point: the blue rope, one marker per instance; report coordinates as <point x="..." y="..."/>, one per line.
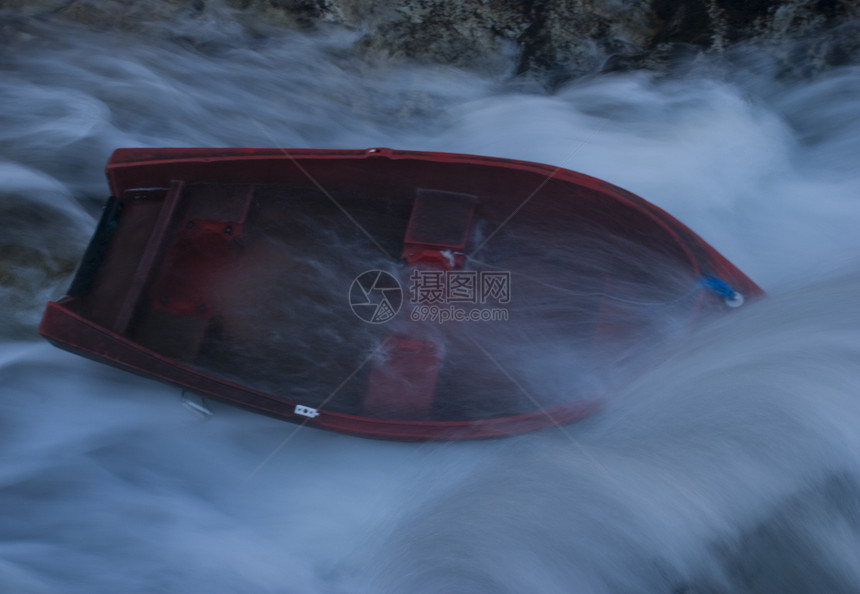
<point x="718" y="287"/>
<point x="722" y="290"/>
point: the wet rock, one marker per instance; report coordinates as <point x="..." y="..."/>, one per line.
<point x="101" y="14"/>
<point x="555" y="40"/>
<point x="299" y="14"/>
<point x="567" y="38"/>
<point x="792" y="549"/>
<point x="551" y="40"/>
<point x="31" y="8"/>
<point x="478" y="36"/>
<point x="38" y="254"/>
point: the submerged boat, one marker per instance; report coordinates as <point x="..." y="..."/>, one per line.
<point x="384" y="293"/>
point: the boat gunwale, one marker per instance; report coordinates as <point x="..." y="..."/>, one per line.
<point x="59" y="317"/>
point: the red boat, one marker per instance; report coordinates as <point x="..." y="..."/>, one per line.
<point x="383" y="293"/>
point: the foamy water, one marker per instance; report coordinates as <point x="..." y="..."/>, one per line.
<point x="730" y="466"/>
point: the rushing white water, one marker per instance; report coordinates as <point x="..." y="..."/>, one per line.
<point x="733" y="465"/>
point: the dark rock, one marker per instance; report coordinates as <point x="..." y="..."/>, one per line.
<point x="550" y="40"/>
<point x="787" y="551"/>
<point x="37" y="252"/>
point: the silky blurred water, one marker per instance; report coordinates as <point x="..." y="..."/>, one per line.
<point x="732" y="465"/>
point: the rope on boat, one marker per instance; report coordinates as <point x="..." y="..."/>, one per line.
<point x="722" y="290"/>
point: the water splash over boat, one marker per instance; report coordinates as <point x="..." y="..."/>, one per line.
<point x="731" y="467"/>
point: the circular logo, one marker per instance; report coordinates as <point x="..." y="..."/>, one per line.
<point x="375" y="296"/>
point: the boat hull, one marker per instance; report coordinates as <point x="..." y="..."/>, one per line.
<point x="257" y="277"/>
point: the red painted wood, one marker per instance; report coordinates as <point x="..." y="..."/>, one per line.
<point x="192" y="269"/>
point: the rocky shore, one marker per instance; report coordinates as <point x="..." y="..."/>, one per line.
<point x="551" y="40"/>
